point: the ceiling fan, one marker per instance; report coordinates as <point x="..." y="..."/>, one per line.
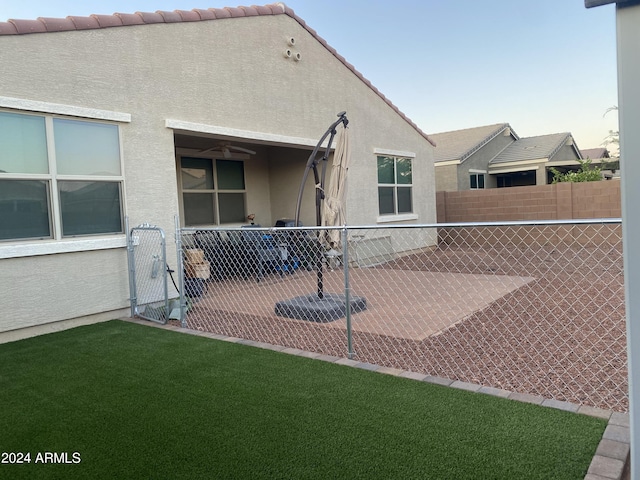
<point x="227" y="149"/>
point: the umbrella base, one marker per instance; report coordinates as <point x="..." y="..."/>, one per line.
<point x="323" y="310"/>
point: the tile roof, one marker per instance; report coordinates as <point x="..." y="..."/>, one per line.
<point x="461" y="144"/>
<point x="595" y="153"/>
<point x="47" y="25"/>
<point x="44" y="25"/>
<point x="532" y="148"/>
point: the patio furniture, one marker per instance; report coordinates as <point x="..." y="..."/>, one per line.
<point x="261" y="253"/>
<point x="303" y="247"/>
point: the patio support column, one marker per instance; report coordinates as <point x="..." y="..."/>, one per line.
<point x="628" y="39"/>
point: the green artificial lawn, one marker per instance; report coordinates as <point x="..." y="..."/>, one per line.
<point x="139" y="402"/>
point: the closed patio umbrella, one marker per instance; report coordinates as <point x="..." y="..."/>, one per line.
<point x="333" y="211"/>
<point x="330" y="211"/>
<point x="312" y="166"/>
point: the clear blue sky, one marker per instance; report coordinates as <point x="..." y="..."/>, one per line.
<point x="544" y="66"/>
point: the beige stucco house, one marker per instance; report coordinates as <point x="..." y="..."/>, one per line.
<point x="462" y="156"/>
<point x="494" y="156"/>
<point x="206" y="114"/>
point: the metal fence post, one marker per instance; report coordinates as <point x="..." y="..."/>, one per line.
<point x="180" y="268"/>
<point x="132" y="268"/>
<point x="347" y="290"/>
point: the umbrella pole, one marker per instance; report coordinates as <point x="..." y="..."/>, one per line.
<point x="312" y="164"/>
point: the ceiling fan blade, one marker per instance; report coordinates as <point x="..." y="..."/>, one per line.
<point x="226" y="150"/>
<point x="207" y="150"/>
<point x="241" y="149"/>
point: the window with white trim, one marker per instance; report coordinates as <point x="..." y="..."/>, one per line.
<point x="395" y="185"/>
<point x="59" y="177"/>
<point x="213" y="191"/>
<point x="476" y="180"/>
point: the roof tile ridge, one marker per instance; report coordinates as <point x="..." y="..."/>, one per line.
<point x="150" y="18"/>
<point x="205" y="14"/>
<point x="84" y="23"/>
<point x="251" y="11"/>
<point x="170" y="17"/>
<point x="106" y="21"/>
<point x="235" y="11"/>
<point x="28" y="26"/>
<point x="8" y="28"/>
<point x="96" y="21"/>
<point x="189" y="15"/>
<point x="487" y="139"/>
<point x="281" y="7"/>
<point x="220" y="12"/>
<point x="53" y="24"/>
<point x="266" y="9"/>
<point x="130" y="18"/>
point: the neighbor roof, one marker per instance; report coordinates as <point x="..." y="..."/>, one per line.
<point x="49" y="25"/>
<point x="461" y="144"/>
<point x="533" y="148"/>
<point x="595" y="153"/>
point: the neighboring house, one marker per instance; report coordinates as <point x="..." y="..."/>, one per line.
<point x="602" y="157"/>
<point x="596" y="155"/>
<point x="493" y="156"/>
<point x="462" y="156"/>
<point x="527" y="161"/>
<point x="209" y="114"/>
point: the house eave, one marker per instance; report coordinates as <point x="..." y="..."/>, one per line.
<point x="447" y="163"/>
<point x="518" y="163"/>
<point x="513" y="169"/>
<point x="180" y="126"/>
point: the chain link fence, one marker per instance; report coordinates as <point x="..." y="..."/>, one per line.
<point x="535" y="308"/>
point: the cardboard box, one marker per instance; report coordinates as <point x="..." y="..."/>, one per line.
<point x="198" y="270"/>
<point x="193" y="255"/>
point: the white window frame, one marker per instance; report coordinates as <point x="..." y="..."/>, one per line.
<point x="215" y="191"/>
<point x="477" y="173"/>
<point x="396" y="217"/>
<point x="57" y="244"/>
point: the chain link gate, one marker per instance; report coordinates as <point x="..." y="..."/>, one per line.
<point x="148" y="275"/>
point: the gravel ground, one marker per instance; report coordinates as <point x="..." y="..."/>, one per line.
<point x="562" y="336"/>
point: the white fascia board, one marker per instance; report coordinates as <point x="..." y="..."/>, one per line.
<point x="61" y="109"/>
<point x="519" y="163"/>
<point x="447" y="163"/>
<point x="271" y="138"/>
<point x="393" y="153"/>
<point x="496" y="171"/>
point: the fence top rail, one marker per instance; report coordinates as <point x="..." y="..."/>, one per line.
<point x="525" y="223"/>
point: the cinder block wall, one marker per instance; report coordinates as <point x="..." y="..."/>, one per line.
<point x="562" y="201"/>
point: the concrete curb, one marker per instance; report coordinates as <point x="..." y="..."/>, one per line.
<point x="611" y="461"/>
